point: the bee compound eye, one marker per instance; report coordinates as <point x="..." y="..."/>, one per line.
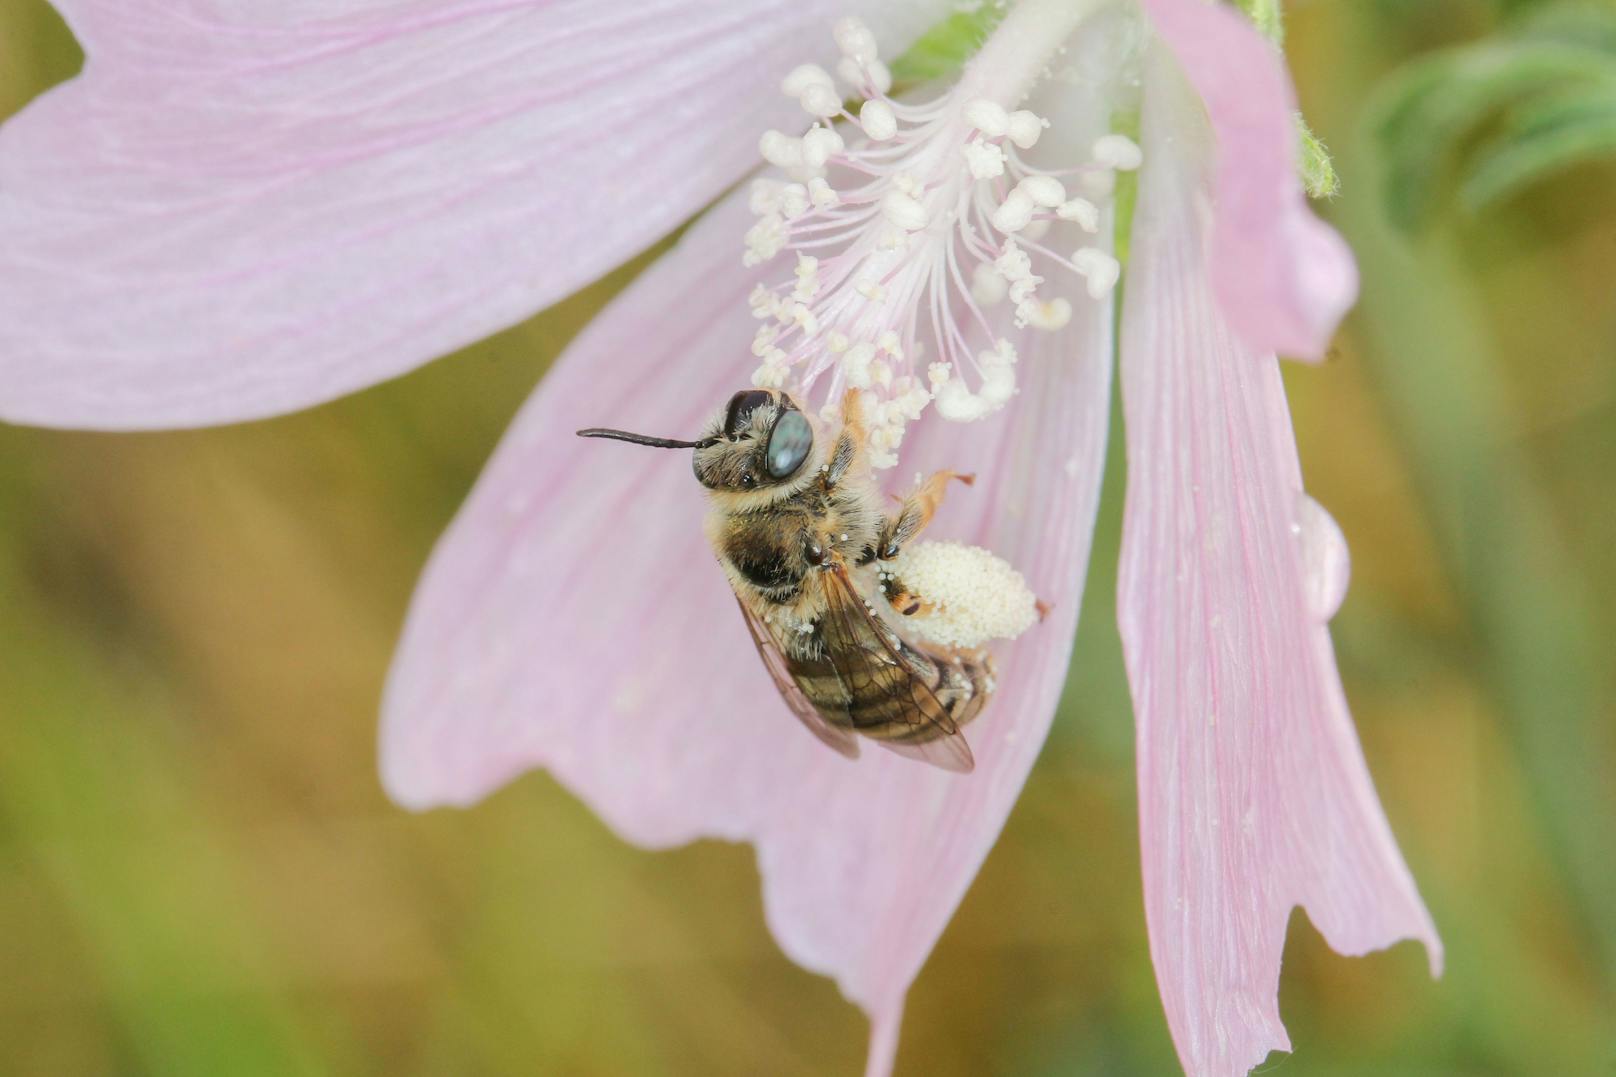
<point x="741" y="407"/>
<point x="789" y="443"/>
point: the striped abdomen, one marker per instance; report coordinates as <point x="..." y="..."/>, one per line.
<point x="891" y="690"/>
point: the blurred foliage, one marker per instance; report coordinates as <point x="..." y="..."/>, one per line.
<point x="943" y="50"/>
<point x="199" y="874"/>
<point x="1492" y="117"/>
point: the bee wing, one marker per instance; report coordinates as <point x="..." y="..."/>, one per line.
<point x="872" y="661"/>
<point x="841" y="740"/>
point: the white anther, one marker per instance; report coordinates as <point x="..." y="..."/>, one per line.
<point x="793" y="200"/>
<point x="821" y="194"/>
<point x="807" y="285"/>
<point x="819" y="145"/>
<point x="1013" y="213"/>
<point x="1024" y="127"/>
<point x="1051" y="315"/>
<point x="856" y="365"/>
<point x="1014" y="264"/>
<point x="1044" y="190"/>
<point x="1119" y="152"/>
<point x="870" y="290"/>
<point x="765" y="196"/>
<point x="909" y="184"/>
<point x="865" y="77"/>
<point x="986" y="116"/>
<point x="762" y="301"/>
<point x="820" y="100"/>
<point x="763" y="340"/>
<point x="1099" y="269"/>
<point x="888" y="344"/>
<point x="1036" y="230"/>
<point x="904" y="211"/>
<point x="855" y="40"/>
<point x="998" y="381"/>
<point x="804" y="319"/>
<point x="836" y="342"/>
<point x="764" y="239"/>
<point x="780" y="150"/>
<point x="878" y="120"/>
<point x="771" y="375"/>
<point x="879" y="74"/>
<point x="985" y="160"/>
<point x="803" y="76"/>
<point x="1081" y="211"/>
<point x="988" y="286"/>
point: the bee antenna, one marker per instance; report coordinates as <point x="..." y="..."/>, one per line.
<point x="644" y="439"/>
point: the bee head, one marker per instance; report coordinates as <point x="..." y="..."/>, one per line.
<point x="761" y="439"/>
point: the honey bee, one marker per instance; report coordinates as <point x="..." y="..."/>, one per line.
<point x="798" y="524"/>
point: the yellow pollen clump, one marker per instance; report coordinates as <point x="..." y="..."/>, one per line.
<point x="972" y="594"/>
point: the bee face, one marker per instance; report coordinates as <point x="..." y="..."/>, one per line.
<point x="762" y="440"/>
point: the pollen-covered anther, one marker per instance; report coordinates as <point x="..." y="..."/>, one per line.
<point x="956" y="401"/>
<point x="819" y="145"/>
<point x="878" y="120"/>
<point x="971" y="594"/>
<point x="905" y="211"/>
<point x="763" y="340"/>
<point x="855" y="39"/>
<point x="860" y="65"/>
<point x="1080" y="211"/>
<point x="765" y="239"/>
<point x="820" y="100"/>
<point x="1045" y="191"/>
<point x="1100" y="270"/>
<point x="989" y="117"/>
<point x="821" y="194"/>
<point x="807" y="275"/>
<point x="803" y="76"/>
<point x="1051" y="315"/>
<point x="1117" y="152"/>
<point x="856" y="365"/>
<point x="985" y="160"/>
<point x="988" y="285"/>
<point x="1014" y="213"/>
<point x="1024" y="127"/>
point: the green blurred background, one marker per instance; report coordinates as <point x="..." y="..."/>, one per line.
<point x="199" y="874"/>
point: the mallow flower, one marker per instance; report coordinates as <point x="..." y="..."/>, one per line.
<point x="236" y="211"/>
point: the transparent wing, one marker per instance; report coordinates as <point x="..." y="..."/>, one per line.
<point x="841" y="740"/>
<point x="872" y="662"/>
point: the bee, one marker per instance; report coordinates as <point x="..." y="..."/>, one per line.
<point x="798" y="524"/>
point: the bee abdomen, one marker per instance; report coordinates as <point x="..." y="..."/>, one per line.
<point x="895" y="707"/>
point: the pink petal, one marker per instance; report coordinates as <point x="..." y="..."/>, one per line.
<point x="573" y="619"/>
<point x="1253" y="793"/>
<point x="239" y="210"/>
<point x="1282" y="276"/>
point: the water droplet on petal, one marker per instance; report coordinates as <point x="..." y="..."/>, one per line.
<point x="1326" y="566"/>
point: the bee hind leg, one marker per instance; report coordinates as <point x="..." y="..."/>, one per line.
<point x="915" y="513"/>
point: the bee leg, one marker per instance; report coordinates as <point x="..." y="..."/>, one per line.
<point x="848" y="441"/>
<point x="915" y="513"/>
<point x="908" y="603"/>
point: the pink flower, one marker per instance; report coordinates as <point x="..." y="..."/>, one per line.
<point x="234" y="214"/>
